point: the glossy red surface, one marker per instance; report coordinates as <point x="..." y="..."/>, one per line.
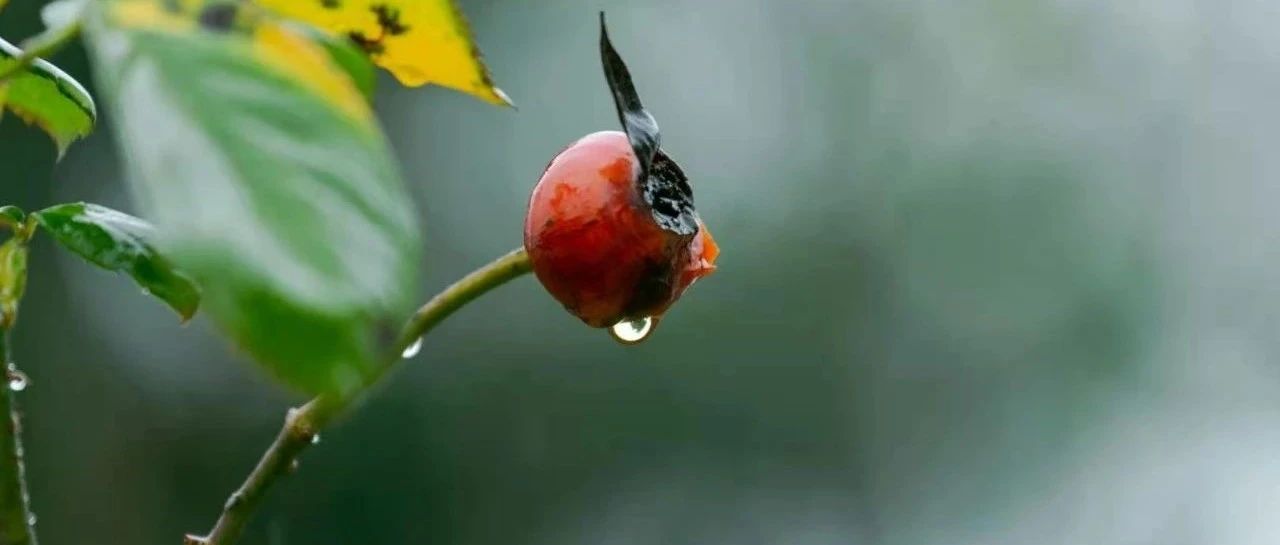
<point x="594" y="244"/>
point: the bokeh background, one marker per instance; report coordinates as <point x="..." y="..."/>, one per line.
<point x="993" y="272"/>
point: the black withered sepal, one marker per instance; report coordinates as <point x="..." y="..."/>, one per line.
<point x="663" y="185"/>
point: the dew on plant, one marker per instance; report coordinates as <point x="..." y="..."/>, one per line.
<point x="17" y="379"/>
<point x="413" y="349"/>
<point x="632" y="331"/>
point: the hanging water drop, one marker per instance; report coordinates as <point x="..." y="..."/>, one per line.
<point x="412" y="350"/>
<point x="632" y="331"/>
<point x="17" y="379"/>
<point x="315" y="439"/>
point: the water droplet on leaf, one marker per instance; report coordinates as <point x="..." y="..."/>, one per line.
<point x="632" y="331"/>
<point x="31" y="519"/>
<point x="315" y="439"/>
<point x="412" y="350"/>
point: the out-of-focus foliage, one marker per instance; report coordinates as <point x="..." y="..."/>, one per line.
<point x="269" y="180"/>
<point x="346" y="56"/>
<point x="60" y="13"/>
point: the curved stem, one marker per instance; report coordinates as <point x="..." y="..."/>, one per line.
<point x="302" y="424"/>
<point x="17" y="526"/>
<point x="42" y="45"/>
<point x="498" y="272"/>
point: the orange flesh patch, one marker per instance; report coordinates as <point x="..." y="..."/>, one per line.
<point x="703" y="252"/>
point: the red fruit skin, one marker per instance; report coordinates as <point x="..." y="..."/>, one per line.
<point x="594" y="244"/>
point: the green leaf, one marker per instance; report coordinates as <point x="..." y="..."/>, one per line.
<point x="269" y="182"/>
<point x="47" y="97"/>
<point x="12" y="216"/>
<point x="119" y="242"/>
<point x="13" y="278"/>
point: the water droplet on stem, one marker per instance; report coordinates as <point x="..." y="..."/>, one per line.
<point x="412" y="350"/>
<point x="17" y="379"/>
<point x="632" y="331"/>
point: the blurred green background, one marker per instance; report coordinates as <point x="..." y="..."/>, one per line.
<point x="993" y="272"/>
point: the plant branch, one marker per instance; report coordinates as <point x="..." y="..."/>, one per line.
<point x="302" y="424"/>
<point x="41" y="45"/>
<point x="17" y="525"/>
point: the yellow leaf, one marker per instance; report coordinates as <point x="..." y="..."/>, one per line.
<point x="419" y="41"/>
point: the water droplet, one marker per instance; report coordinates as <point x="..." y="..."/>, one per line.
<point x="632" y="331"/>
<point x="315" y="439"/>
<point x="31" y="519"/>
<point x="412" y="350"/>
<point x="146" y="291"/>
<point x="17" y="379"/>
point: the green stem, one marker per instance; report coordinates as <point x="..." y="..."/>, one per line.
<point x="42" y="45"/>
<point x="302" y="424"/>
<point x="17" y="525"/>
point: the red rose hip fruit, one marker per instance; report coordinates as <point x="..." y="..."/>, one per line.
<point x="611" y="229"/>
<point x="595" y="244"/>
